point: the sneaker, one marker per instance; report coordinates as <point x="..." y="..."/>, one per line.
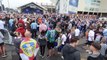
<point x="4" y="56"/>
<point x="62" y="57"/>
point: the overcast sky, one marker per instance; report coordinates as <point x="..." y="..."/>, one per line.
<point x="16" y="3"/>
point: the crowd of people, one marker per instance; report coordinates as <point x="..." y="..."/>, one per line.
<point x="33" y="32"/>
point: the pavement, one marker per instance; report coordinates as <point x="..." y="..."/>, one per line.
<point x="12" y="55"/>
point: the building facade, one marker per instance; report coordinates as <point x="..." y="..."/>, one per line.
<point x="32" y="8"/>
<point x="96" y="7"/>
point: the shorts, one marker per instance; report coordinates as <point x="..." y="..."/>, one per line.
<point x="89" y="42"/>
<point x="1" y="44"/>
<point x="77" y="37"/>
<point x="50" y="45"/>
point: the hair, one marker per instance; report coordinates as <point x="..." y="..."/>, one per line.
<point x="73" y="40"/>
<point x="91" y="27"/>
<point x="96" y="45"/>
<point x="43" y="33"/>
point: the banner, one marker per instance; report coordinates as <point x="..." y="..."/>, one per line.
<point x="73" y="6"/>
<point x="73" y="3"/>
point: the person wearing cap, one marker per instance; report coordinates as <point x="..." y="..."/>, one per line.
<point x="95" y="49"/>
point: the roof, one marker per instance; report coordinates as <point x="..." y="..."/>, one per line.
<point x="32" y="3"/>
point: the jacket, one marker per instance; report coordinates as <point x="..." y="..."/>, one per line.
<point x="21" y="30"/>
<point x="70" y="53"/>
<point x="96" y="56"/>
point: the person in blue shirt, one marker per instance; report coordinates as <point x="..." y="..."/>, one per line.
<point x="33" y="29"/>
<point x="105" y="33"/>
<point x="51" y="34"/>
<point x="11" y="23"/>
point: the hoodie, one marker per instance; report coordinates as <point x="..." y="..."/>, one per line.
<point x="95" y="56"/>
<point x="21" y="30"/>
<point x="70" y="53"/>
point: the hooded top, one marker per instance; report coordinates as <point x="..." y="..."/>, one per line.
<point x="21" y="30"/>
<point x="95" y="56"/>
<point x="70" y="53"/>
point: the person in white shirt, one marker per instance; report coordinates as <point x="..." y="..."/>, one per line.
<point x="77" y="33"/>
<point x="63" y="40"/>
<point x="90" y="36"/>
<point x="2" y="46"/>
<point x="2" y="24"/>
<point x="105" y="32"/>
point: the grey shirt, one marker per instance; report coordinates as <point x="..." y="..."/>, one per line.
<point x="70" y="53"/>
<point x="103" y="49"/>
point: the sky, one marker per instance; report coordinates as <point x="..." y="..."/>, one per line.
<point x="17" y="3"/>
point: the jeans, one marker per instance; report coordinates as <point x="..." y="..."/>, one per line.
<point x="42" y="49"/>
<point x="33" y="31"/>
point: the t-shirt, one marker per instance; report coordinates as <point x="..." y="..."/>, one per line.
<point x="103" y="49"/>
<point x="77" y="32"/>
<point x="11" y="22"/>
<point x="42" y="27"/>
<point x="2" y="24"/>
<point x="28" y="49"/>
<point x="33" y="26"/>
<point x="63" y="38"/>
<point x="51" y="35"/>
<point x="105" y="32"/>
<point x="91" y="35"/>
<point x="97" y="39"/>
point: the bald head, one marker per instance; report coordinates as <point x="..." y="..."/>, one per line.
<point x="27" y="33"/>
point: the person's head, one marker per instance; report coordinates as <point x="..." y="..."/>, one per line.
<point x="95" y="46"/>
<point x="73" y="42"/>
<point x="75" y="27"/>
<point x="91" y="27"/>
<point x="28" y="34"/>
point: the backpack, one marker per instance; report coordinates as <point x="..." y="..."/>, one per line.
<point x="51" y="35"/>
